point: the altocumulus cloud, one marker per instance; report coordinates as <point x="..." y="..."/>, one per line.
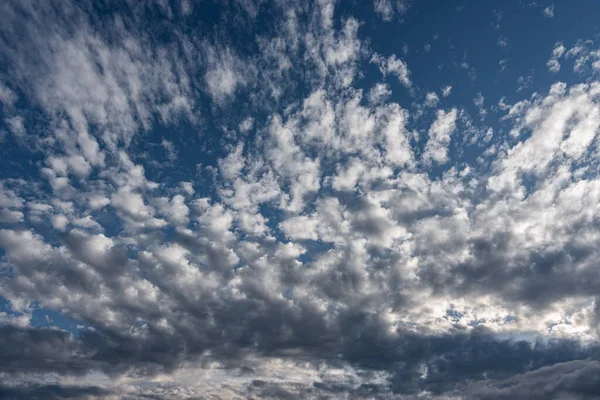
<point x="273" y="199"/>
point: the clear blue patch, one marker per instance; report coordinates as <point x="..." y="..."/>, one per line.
<point x="44" y="317"/>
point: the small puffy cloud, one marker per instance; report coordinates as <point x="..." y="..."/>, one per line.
<point x="231" y="166"/>
<point x="394" y="66"/>
<point x="16" y="125"/>
<point x="379" y="92"/>
<point x="446" y="90"/>
<point x="289" y="251"/>
<point x="246" y="125"/>
<point x="559" y="50"/>
<point x="11" y="216"/>
<point x="553" y="65"/>
<point x="174" y="210"/>
<point x="502" y="41"/>
<point x="188" y="188"/>
<point x="7" y="96"/>
<point x="479" y="101"/>
<point x="440" y="133"/>
<point x="431" y="99"/>
<point x="301" y="227"/>
<point x="169" y="149"/>
<point x="60" y="222"/>
<point x="98" y="201"/>
<point x="384" y="9"/>
<point x="87" y="222"/>
<point x="225" y="73"/>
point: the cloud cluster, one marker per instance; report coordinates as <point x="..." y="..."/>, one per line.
<point x="307" y="237"/>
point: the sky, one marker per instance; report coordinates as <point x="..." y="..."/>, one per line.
<point x="281" y="199"/>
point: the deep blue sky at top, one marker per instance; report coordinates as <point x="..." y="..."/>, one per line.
<point x="462" y="38"/>
<point x="464" y="52"/>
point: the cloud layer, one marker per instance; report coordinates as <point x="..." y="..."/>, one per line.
<point x="189" y="213"/>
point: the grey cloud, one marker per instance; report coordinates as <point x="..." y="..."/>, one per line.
<point x="572" y="380"/>
<point x="54" y="392"/>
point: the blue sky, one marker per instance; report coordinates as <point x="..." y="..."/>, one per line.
<point x="386" y="199"/>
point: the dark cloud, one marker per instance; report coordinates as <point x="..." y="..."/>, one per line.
<point x="53" y="392"/>
<point x="573" y="380"/>
<point x="416" y="363"/>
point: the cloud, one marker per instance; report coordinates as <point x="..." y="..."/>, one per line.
<point x="318" y="230"/>
<point x="384" y="9"/>
<point x="432" y="99"/>
<point x="524" y="82"/>
<point x="553" y="64"/>
<point x="188" y="188"/>
<point x="387" y="10"/>
<point x="574" y="379"/>
<point x="502" y="41"/>
<point x="395" y="66"/>
<point x="7" y="96"/>
<point x="440" y="136"/>
<point x="446" y="90"/>
<point x="170" y="150"/>
<point x="549" y="11"/>
<point x="11" y="217"/>
<point x="55" y="391"/>
<point x="225" y="73"/>
<point x="246" y="125"/>
<point x="379" y="92"/>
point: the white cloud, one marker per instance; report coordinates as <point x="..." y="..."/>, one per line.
<point x="60" y="222"/>
<point x="225" y="73"/>
<point x="133" y="207"/>
<point x="11" y="217"/>
<point x="231" y="166"/>
<point x="301" y="227"/>
<point x="395" y="66"/>
<point x="246" y="125"/>
<point x="553" y="65"/>
<point x="176" y="211"/>
<point x="302" y="172"/>
<point x="502" y="41"/>
<point x="431" y="99"/>
<point x="558" y="51"/>
<point x="379" y="93"/>
<point x="98" y="201"/>
<point x="446" y="90"/>
<point x="348" y="175"/>
<point x="7" y="96"/>
<point x="479" y="102"/>
<point x="87" y="222"/>
<point x="524" y="82"/>
<point x="440" y="133"/>
<point x="384" y="9"/>
<point x="188" y="188"/>
<point x="289" y="251"/>
<point x="170" y="149"/>
<point x="8" y="198"/>
<point x="16" y="126"/>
